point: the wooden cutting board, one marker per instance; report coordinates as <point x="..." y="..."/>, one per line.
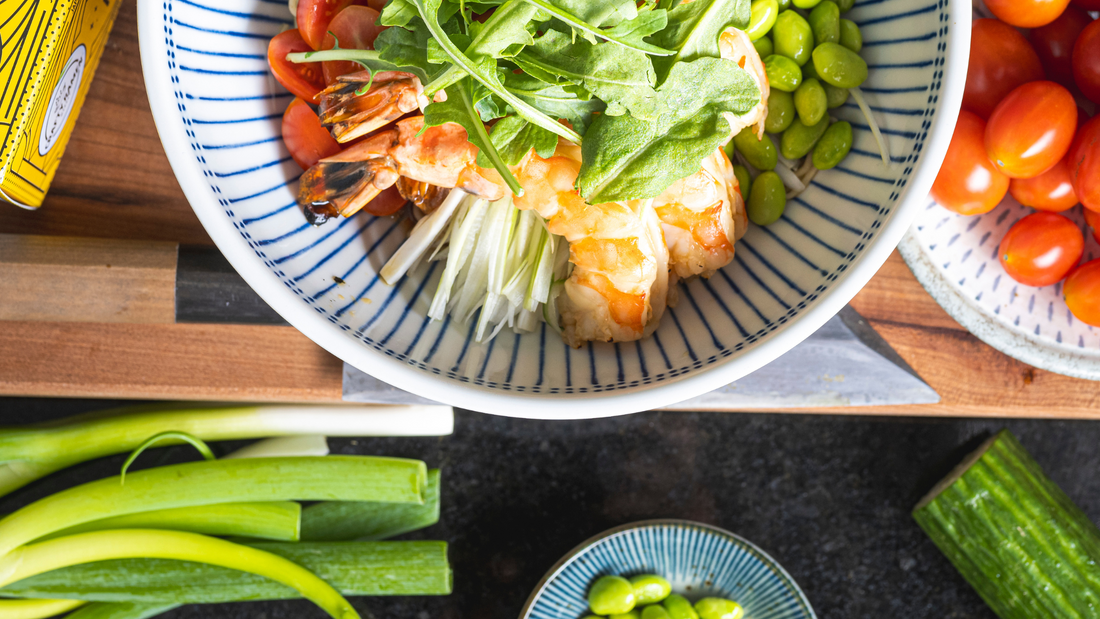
<point x="62" y="335"/>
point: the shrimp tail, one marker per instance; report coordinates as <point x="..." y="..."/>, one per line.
<point x="350" y="114"/>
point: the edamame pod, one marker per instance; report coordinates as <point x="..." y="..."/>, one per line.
<point x="834" y="146"/>
<point x="799" y="139"/>
<point x="655" y="611"/>
<point x="850" y="36"/>
<point x="805" y="4"/>
<point x="611" y="595"/>
<point x="825" y="22"/>
<point x="781" y="112"/>
<point x="760" y="153"/>
<point x="765" y="48"/>
<point x="793" y="37"/>
<point x="744" y="180"/>
<point x="766" y="204"/>
<point x="677" y="605"/>
<point x="783" y="73"/>
<point x="810" y="101"/>
<point x="835" y="97"/>
<point x="763" y="17"/>
<point x="839" y="66"/>
<point x="845" y="5"/>
<point x="649" y="589"/>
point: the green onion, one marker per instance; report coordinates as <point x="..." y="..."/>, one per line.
<point x="344" y="520"/>
<point x="132" y="543"/>
<point x="353" y="568"/>
<point x="26" y="454"/>
<point x="120" y="610"/>
<point x="328" y="478"/>
<point x="36" y="609"/>
<point x="273" y="520"/>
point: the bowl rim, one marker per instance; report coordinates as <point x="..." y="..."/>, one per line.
<point x="544" y="405"/>
<point x="574" y="553"/>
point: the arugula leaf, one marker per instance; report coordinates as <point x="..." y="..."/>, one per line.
<point x="459" y="108"/>
<point x="398" y="13"/>
<point x="693" y="30"/>
<point x="627" y="33"/>
<point x="556" y="102"/>
<point x="368" y="58"/>
<point x="621" y="77"/>
<point x="514" y="137"/>
<point x="599" y="13"/>
<point x="624" y="158"/>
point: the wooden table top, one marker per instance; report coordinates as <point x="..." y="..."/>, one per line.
<point x="115" y="183"/>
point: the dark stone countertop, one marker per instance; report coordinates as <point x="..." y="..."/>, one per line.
<point x="828" y="497"/>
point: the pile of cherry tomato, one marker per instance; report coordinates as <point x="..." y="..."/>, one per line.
<point x="354" y="22"/>
<point x="1024" y="129"/>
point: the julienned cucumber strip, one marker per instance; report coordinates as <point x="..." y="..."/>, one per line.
<point x="1014" y="535"/>
<point x="120" y="610"/>
<point x="346" y="520"/>
<point x="353" y="568"/>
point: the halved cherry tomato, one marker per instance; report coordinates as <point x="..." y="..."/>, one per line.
<point x="306" y="139"/>
<point x="967" y="182"/>
<point x="1084" y="164"/>
<point x="1054" y="43"/>
<point x="1000" y="60"/>
<point x="1092" y="218"/>
<point x="314" y="17"/>
<point x="1031" y="129"/>
<point x="1086" y="61"/>
<point x="388" y="202"/>
<point x="1040" y="249"/>
<point x="355" y="28"/>
<point x="1082" y="117"/>
<point x="304" y="79"/>
<point x="1027" y="13"/>
<point x="1087" y="5"/>
<point x="1082" y="290"/>
<point x="1051" y="191"/>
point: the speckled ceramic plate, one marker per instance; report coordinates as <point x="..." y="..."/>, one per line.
<point x="699" y="560"/>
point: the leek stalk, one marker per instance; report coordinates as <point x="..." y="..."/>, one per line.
<point x="36" y="609"/>
<point x="120" y="610"/>
<point x="132" y="543"/>
<point x="343" y="520"/>
<point x="328" y="478"/>
<point x="353" y="568"/>
<point x="274" y="520"/>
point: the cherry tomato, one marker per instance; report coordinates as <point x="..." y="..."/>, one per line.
<point x="1082" y="117"/>
<point x="314" y="17"/>
<point x="1054" y="43"/>
<point x="1027" y="13"/>
<point x="1084" y="164"/>
<point x="1082" y="290"/>
<point x="1031" y="129"/>
<point x="1051" y="191"/>
<point x="967" y="182"/>
<point x="355" y="28"/>
<point x="1041" y="248"/>
<point x="1087" y="5"/>
<point x="304" y="79"/>
<point x="305" y="138"/>
<point x="388" y="202"/>
<point x="1086" y="61"/>
<point x="1092" y="218"/>
<point x="1000" y="60"/>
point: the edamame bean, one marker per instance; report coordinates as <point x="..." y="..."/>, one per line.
<point x="634" y="614"/>
<point x="835" y="97"/>
<point x="760" y="153"/>
<point x="677" y="605"/>
<point x="649" y="589"/>
<point x="766" y="204"/>
<point x="799" y="139"/>
<point x="744" y="180"/>
<point x="784" y="5"/>
<point x="793" y="37"/>
<point x="763" y="17"/>
<point x="655" y="611"/>
<point x="765" y="48"/>
<point x="834" y="146"/>
<point x="611" y="595"/>
<point x="717" y="608"/>
<point x="783" y="73"/>
<point x="810" y="101"/>
<point x="850" y="36"/>
<point x="781" y="112"/>
<point x="805" y="4"/>
<point x="825" y="22"/>
<point x="839" y="66"/>
<point x="845" y="5"/>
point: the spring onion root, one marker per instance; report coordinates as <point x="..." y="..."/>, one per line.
<point x="274" y="520"/>
<point x="36" y="609"/>
<point x="133" y="543"/>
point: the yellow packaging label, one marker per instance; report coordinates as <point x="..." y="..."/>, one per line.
<point x="49" y="50"/>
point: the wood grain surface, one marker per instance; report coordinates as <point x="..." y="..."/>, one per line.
<point x="115" y="182"/>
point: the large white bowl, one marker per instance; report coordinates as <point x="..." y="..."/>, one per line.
<point x="218" y="113"/>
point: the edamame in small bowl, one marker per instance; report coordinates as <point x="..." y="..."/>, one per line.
<point x="677" y="568"/>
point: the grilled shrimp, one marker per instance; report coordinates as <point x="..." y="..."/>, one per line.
<point x="619" y="284"/>
<point x="350" y="113"/>
<point x="735" y="45"/>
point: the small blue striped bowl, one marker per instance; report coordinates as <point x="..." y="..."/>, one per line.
<point x="699" y="560"/>
<point x="218" y="113"/>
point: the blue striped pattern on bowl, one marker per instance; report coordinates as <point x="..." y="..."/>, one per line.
<point x="698" y="560"/>
<point x="218" y="111"/>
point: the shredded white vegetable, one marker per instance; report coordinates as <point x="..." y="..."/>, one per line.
<point x="883" y="146"/>
<point x="790" y="179"/>
<point x="421" y="239"/>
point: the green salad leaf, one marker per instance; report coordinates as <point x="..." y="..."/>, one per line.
<point x="514" y="137"/>
<point x="628" y="33"/>
<point x="693" y="30"/>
